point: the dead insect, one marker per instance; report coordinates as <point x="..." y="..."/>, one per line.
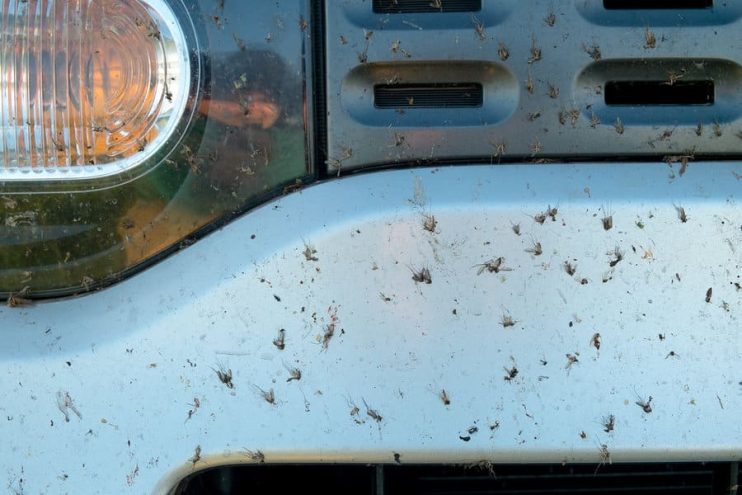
<point x="225" y="376"/>
<point x="536" y="250"/>
<point x="354" y="410"/>
<point x="683" y="165"/>
<point x="280" y="341"/>
<point x="574" y="115"/>
<point x="572" y="359"/>
<point x="709" y="292"/>
<point x="373" y="413"/>
<point x="605" y="457"/>
<point x="310" y="252"/>
<point x="16" y="300"/>
<point x="570" y="268"/>
<point x="516" y="228"/>
<point x="699" y="129"/>
<point x="397" y="47"/>
<point x="618" y="125"/>
<point x="194" y="407"/>
<point x="507" y="321"/>
<point x="681" y="214"/>
<point x="594" y="121"/>
<point x="479" y="28"/>
<point x="540" y="218"/>
<point x="617" y="256"/>
<point x="593" y="51"/>
<point x="554" y="93"/>
<point x="499" y="150"/>
<point x="645" y="405"/>
<point x="609" y="423"/>
<point x="673" y="77"/>
<point x="649" y="40"/>
<point x="267" y="395"/>
<point x="550" y="19"/>
<point x="422" y="276"/>
<point x="607" y="222"/>
<point x="294" y="374"/>
<point x="596" y="340"/>
<point x="583" y="435"/>
<point x="536" y="147"/>
<point x="444" y="397"/>
<point x="429" y="223"/>
<point x="671" y="354"/>
<point x="718" y="131"/>
<point x="552" y="212"/>
<point x="511" y="374"/>
<point x="533" y="116"/>
<point x="535" y="52"/>
<point x="484" y="466"/>
<point x="682" y="159"/>
<point x="530" y="86"/>
<point x="398" y="456"/>
<point x="327" y="336"/>
<point x="196" y="455"/>
<point x="503" y="52"/>
<point x="256" y="456"/>
<point x="66" y="404"/>
<point x="493" y="266"/>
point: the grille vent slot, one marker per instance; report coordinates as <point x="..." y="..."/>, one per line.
<point x="659" y="93"/>
<point x="425" y="6"/>
<point x="478" y="479"/>
<point x="429" y="95"/>
<point x="615" y="480"/>
<point x="657" y="4"/>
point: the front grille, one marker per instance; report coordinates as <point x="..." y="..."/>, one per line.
<point x="477" y="479"/>
<point x="560" y="81"/>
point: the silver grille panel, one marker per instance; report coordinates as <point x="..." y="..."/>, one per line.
<point x="544" y="67"/>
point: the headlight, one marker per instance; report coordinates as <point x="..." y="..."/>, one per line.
<point x="129" y="126"/>
<point x="88" y="89"/>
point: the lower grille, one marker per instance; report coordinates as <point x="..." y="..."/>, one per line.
<point x="477" y="479"/>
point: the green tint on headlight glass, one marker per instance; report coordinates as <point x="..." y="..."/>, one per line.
<point x="131" y="125"/>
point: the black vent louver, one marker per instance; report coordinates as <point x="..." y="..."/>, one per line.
<point x="433" y="95"/>
<point x="478" y="479"/>
<point x="425" y="6"/>
<point x="657" y="4"/>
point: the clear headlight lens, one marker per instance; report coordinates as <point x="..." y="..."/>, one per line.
<point x="88" y="88"/>
<point x="129" y="126"/>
